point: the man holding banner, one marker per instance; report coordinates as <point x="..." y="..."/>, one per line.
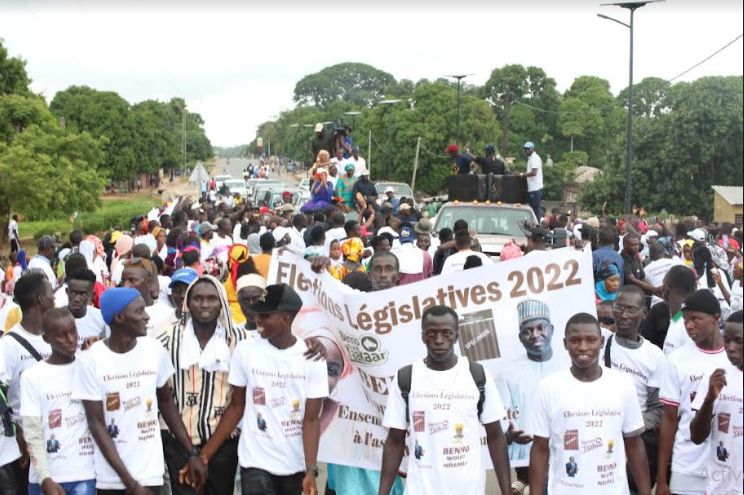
<point x="448" y="403"/>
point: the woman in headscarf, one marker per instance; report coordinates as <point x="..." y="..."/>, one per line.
<point x="239" y="263"/>
<point x="345" y="185"/>
<point x="321" y="193"/>
<point x="99" y="258"/>
<point x="123" y="247"/>
<point x="352" y="250"/>
<point x="608" y="284"/>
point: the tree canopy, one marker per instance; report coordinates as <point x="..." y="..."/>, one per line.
<point x="359" y="84"/>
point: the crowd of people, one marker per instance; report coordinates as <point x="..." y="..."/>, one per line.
<point x="132" y="362"/>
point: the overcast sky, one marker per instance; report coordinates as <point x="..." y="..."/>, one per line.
<point x="236" y="63"/>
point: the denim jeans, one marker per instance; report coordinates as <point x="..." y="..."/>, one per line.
<point x="535" y="199"/>
<point x="71" y="488"/>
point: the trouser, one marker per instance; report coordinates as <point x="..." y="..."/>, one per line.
<point x="8" y="485"/>
<point x="535" y="199"/>
<point x="652" y="451"/>
<point x="14" y="246"/>
<point x="71" y="488"/>
<point x="222" y="467"/>
<point x="259" y="482"/>
<point x="21" y="476"/>
<point x="154" y="490"/>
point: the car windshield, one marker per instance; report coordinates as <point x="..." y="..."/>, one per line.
<point x="222" y="178"/>
<point x="401" y="190"/>
<point x="235" y="184"/>
<point x="487" y="221"/>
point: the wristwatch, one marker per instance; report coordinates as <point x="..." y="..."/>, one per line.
<point x="314" y="469"/>
<point x="194" y="453"/>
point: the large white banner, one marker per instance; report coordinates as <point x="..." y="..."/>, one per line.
<point x="369" y="336"/>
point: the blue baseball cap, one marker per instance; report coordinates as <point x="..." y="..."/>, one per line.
<point x="490" y="148"/>
<point x="183" y="276"/>
<point x="406" y="234"/>
<point x="355" y="149"/>
<point x="528" y="145"/>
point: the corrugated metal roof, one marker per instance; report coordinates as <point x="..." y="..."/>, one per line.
<point x="734" y="195"/>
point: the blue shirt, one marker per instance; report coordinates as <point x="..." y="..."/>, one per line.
<point x="607" y="253"/>
<point x="463" y="164"/>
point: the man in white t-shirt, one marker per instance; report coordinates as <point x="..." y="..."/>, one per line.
<point x="13" y="235"/>
<point x="35" y="297"/>
<point x="658" y="268"/>
<point x="359" y="163"/>
<point x="43" y="259"/>
<point x="123" y="383"/>
<point x="55" y="425"/>
<point x="456" y="262"/>
<point x="687" y="367"/>
<point x="586" y="423"/>
<point x="534" y="175"/>
<point x="445" y="435"/>
<point x="278" y="446"/>
<point x="627" y="352"/>
<point x="88" y="319"/>
<point x="679" y="284"/>
<point x="718" y="407"/>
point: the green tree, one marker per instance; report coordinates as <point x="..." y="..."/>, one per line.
<point x="649" y="97"/>
<point x="13" y="77"/>
<point x="681" y="153"/>
<point x="360" y="84"/>
<point x="17" y="112"/>
<point x="577" y="119"/>
<point x="513" y="84"/>
<point x="47" y="171"/>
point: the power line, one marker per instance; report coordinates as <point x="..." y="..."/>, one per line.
<point x="708" y="58"/>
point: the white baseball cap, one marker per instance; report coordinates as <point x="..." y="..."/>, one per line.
<point x="697" y="234"/>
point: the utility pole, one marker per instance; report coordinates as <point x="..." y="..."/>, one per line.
<point x="183" y="138"/>
<point x="505" y="136"/>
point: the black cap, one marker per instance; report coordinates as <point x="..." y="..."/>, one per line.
<point x="538" y="233"/>
<point x="278" y="298"/>
<point x="702" y="301"/>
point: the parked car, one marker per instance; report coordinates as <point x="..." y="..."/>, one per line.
<point x="252" y="183"/>
<point x="220" y="179"/>
<point x="305" y="184"/>
<point x="237" y="186"/>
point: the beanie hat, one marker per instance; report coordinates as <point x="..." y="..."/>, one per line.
<point x="532" y="309"/>
<point x="702" y="301"/>
<point x="115" y="300"/>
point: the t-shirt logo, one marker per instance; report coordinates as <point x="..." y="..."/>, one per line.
<point x="419" y="451"/>
<point x="459" y="432"/>
<point x="148" y="405"/>
<point x="610" y="448"/>
<point x="295" y="408"/>
<point x="113" y="401"/>
<point x="191" y="399"/>
<point x="419" y="421"/>
<point x="571" y="440"/>
<point x="259" y="396"/>
<point x="261" y="423"/>
<point x="55" y="418"/>
<point x="724" y="422"/>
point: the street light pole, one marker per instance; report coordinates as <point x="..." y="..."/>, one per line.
<point x="459" y="78"/>
<point x="632" y="6"/>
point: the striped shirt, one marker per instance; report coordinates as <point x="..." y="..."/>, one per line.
<point x="201" y="396"/>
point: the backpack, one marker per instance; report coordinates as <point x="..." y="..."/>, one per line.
<point x="405" y="376"/>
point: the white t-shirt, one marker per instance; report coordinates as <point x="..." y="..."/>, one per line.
<point x="149" y="241"/>
<point x="9" y="451"/>
<point x="16" y="359"/>
<point x="126" y="384"/>
<point x="521" y="381"/>
<point x="737" y="296"/>
<point x="218" y="241"/>
<point x="655" y="272"/>
<point x="646" y="366"/>
<point x="46" y="392"/>
<point x="456" y="262"/>
<point x="165" y="291"/>
<point x="91" y="325"/>
<point x="359" y="165"/>
<point x="676" y="334"/>
<point x="278" y="384"/>
<point x="687" y="367"/>
<point x="13" y="230"/>
<point x="587" y="422"/>
<point x="60" y="297"/>
<point x="206" y="250"/>
<point x="534" y="162"/>
<point x="161" y="315"/>
<point x="725" y="458"/>
<point x="37" y="263"/>
<point x="445" y="431"/>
